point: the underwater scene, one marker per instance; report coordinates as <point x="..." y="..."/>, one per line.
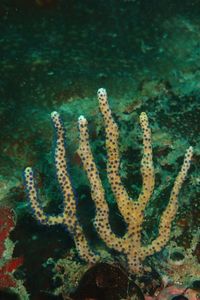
<point x="100" y="150"/>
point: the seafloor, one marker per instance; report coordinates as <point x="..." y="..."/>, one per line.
<point x="55" y="54"/>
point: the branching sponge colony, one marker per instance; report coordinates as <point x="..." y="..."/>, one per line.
<point x="132" y="211"/>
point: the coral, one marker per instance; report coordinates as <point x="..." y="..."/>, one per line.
<point x="7" y="223"/>
<point x="181" y="266"/>
<point x="132" y="210"/>
<point x="175" y="292"/>
<point x="69" y="271"/>
<point x="8" y="264"/>
<point x="100" y="281"/>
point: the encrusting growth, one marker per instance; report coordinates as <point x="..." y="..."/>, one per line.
<point x="132" y="210"/>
